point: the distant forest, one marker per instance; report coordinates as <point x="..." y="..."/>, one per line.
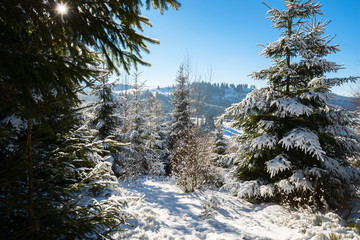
<point x="211" y="99"/>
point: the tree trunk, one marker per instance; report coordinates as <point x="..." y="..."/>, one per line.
<point x="288" y="55"/>
<point x="29" y="161"/>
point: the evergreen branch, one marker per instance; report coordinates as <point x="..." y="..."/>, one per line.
<point x="266" y="5"/>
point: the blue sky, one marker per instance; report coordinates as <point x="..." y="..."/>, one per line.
<point x="221" y="35"/>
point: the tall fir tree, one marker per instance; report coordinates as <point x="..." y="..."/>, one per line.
<point x="69" y="171"/>
<point x="106" y="117"/>
<point x="295" y="146"/>
<point x="140" y="156"/>
<point x="132" y="161"/>
<point x="189" y="153"/>
<point x="45" y="56"/>
<point x="87" y="189"/>
<point x="181" y="126"/>
<point x="157" y="141"/>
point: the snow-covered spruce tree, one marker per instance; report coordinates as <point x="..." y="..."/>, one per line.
<point x="106" y="118"/>
<point x="136" y="154"/>
<point x="138" y="157"/>
<point x="69" y="170"/>
<point x="92" y="198"/>
<point x="49" y="57"/>
<point x="295" y="146"/>
<point x="129" y="162"/>
<point x="124" y="97"/>
<point x="189" y="153"/>
<point x="219" y="149"/>
<point x="157" y="141"/>
<point x="181" y="126"/>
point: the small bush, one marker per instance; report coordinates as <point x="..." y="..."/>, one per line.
<point x="319" y="219"/>
<point x="209" y="207"/>
<point x="354" y="226"/>
<point x="334" y="236"/>
<point x="193" y="165"/>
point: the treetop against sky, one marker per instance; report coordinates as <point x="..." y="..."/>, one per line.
<point x="223" y="36"/>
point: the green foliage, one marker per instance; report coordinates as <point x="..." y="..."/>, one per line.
<point x="68" y="172"/>
<point x="45" y="51"/>
<point x="334" y="236"/>
<point x="295" y="146"/>
<point x="181" y="128"/>
<point x="219" y="149"/>
<point x="220" y="144"/>
<point x="46" y="58"/>
<point x="105" y="114"/>
<point x="319" y="219"/>
<point x="354" y="225"/>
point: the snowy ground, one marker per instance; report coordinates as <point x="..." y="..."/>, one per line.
<point x="163" y="211"/>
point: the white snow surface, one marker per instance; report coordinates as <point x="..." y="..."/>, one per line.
<point x="162" y="211"/>
<point x="165" y="89"/>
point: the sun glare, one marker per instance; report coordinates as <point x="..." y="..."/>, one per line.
<point x="61" y="8"/>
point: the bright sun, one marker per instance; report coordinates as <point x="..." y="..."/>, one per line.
<point x="61" y="8"/>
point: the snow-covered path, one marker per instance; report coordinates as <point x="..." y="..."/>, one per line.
<point x="168" y="213"/>
<point x="163" y="211"/>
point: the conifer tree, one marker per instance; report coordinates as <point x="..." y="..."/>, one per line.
<point x="45" y="57"/>
<point x="189" y="153"/>
<point x="132" y="161"/>
<point x="106" y="118"/>
<point x="87" y="186"/>
<point x="220" y="147"/>
<point x="157" y="141"/>
<point x="295" y="146"/>
<point x="182" y="127"/>
<point x="69" y="171"/>
<point x="141" y="155"/>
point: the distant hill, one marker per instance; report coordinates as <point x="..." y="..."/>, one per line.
<point x="214" y="98"/>
<point x="343" y="101"/>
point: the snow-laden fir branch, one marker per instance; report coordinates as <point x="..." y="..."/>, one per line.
<point x="278" y="164"/>
<point x="304" y="139"/>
